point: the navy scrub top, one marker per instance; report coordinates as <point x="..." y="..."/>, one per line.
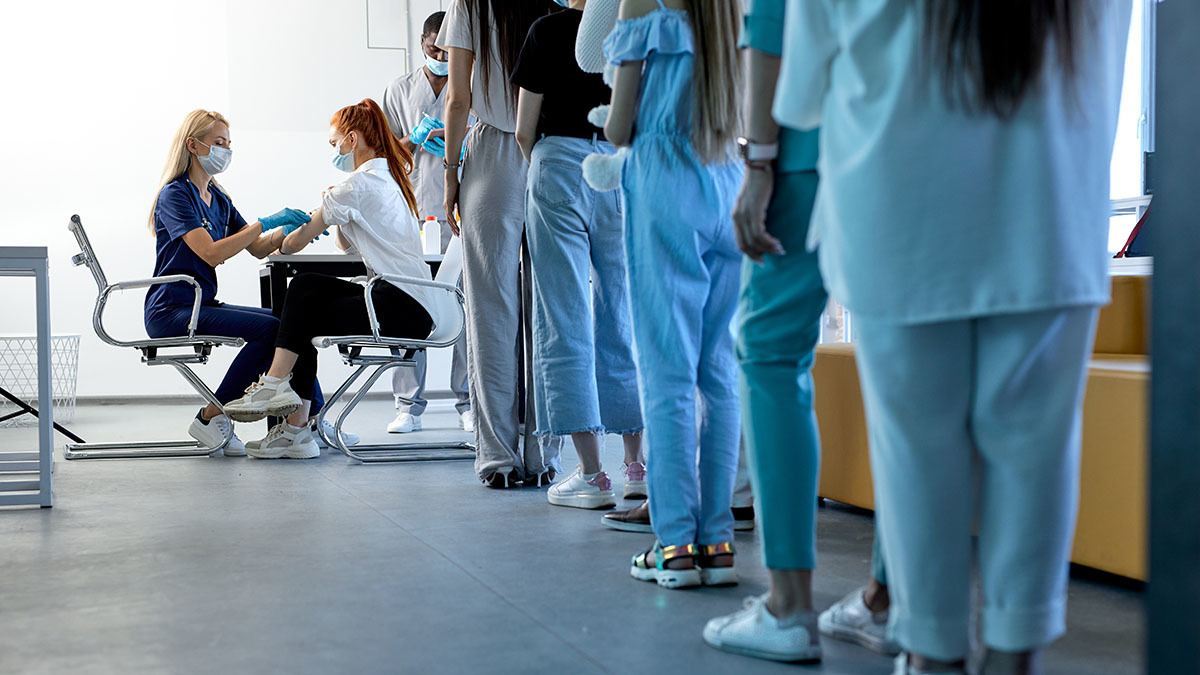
<point x="179" y="211"/>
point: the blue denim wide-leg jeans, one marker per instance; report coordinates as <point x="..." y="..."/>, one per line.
<point x="585" y="375"/>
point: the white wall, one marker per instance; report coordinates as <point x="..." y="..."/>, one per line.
<point x="93" y="92"/>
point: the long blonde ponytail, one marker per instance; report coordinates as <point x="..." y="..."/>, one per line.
<point x="195" y="125"/>
<point x="718" y="77"/>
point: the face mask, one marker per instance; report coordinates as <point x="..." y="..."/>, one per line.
<point x="439" y="68"/>
<point x="563" y="3"/>
<point x="217" y="159"/>
<point x="343" y="162"/>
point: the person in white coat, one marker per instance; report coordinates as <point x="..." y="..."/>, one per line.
<point x="407" y="103"/>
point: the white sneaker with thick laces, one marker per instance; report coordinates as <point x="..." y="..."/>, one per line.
<point x="285" y="441"/>
<point x="581" y="492"/>
<point x="466" y="421"/>
<point x="350" y="438"/>
<point x="755" y="632"/>
<point x="852" y="621"/>
<point x="404" y="423"/>
<point x="214" y="431"/>
<point x="269" y="397"/>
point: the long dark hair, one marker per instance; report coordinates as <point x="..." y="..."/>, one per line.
<point x="990" y="53"/>
<point x="512" y="19"/>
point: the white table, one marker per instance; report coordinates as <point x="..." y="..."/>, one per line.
<point x="18" y="468"/>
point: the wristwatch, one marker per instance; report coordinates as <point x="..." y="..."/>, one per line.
<point x="757" y="155"/>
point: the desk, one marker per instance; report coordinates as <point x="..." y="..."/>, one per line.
<point x="278" y="269"/>
<point x="17" y="487"/>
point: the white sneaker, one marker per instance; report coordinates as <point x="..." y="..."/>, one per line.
<point x="265" y="399"/>
<point x="404" y="423"/>
<point x="581" y="493"/>
<point x="214" y="431"/>
<point x="350" y="438"/>
<point x="635" y="481"/>
<point x="466" y="421"/>
<point x="285" y="441"/>
<point x="852" y="621"/>
<point x="755" y="632"/>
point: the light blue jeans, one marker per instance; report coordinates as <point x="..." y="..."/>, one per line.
<point x="976" y="420"/>
<point x="585" y="377"/>
<point x="683" y="283"/>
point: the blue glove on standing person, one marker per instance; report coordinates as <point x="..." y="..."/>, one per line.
<point x="420" y="133"/>
<point x="436" y="146"/>
<point x="285" y="218"/>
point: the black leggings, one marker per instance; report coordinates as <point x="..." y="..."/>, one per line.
<point x="317" y="304"/>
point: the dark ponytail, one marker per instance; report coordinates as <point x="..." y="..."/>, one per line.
<point x="990" y="53"/>
<point x="366" y="117"/>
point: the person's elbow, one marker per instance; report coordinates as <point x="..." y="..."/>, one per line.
<point x="457" y="105"/>
<point x="618" y="134"/>
<point x="526" y="139"/>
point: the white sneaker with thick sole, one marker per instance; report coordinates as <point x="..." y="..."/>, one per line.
<point x="851" y="620"/>
<point x="404" y="423"/>
<point x="755" y="632"/>
<point x="466" y="421"/>
<point x="635" y="481"/>
<point x="583" y="493"/>
<point x="265" y="399"/>
<point x="285" y="441"/>
<point x="349" y="438"/>
<point x="214" y="431"/>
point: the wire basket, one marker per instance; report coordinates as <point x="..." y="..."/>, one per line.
<point x="18" y="374"/>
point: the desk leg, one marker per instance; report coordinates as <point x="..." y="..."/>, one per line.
<point x="279" y="281"/>
<point x="45" y="393"/>
<point x="264" y="287"/>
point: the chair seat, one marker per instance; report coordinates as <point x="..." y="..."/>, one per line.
<point x="369" y="342"/>
<point x="185" y="341"/>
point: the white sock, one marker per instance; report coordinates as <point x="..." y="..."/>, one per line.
<point x="589" y="476"/>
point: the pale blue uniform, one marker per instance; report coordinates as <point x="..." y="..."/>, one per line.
<point x="972" y="252"/>
<point x="683" y="282"/>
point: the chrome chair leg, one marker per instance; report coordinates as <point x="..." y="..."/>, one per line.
<point x="383" y="452"/>
<point x="154" y="449"/>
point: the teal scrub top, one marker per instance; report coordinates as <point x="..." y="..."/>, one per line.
<point x="764" y="29"/>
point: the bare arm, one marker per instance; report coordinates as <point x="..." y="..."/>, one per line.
<point x="458" y="108"/>
<point x="619" y="127"/>
<point x="303" y="236"/>
<point x="529" y="109"/>
<point x="216" y="252"/>
<point x="266" y="244"/>
<point x="750" y="212"/>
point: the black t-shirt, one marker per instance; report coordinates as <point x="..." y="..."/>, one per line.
<point x="547" y="66"/>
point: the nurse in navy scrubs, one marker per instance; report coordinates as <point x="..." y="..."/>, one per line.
<point x="196" y="228"/>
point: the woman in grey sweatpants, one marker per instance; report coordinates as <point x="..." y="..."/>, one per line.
<point x="490" y="198"/>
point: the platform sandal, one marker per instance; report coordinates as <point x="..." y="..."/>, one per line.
<point x="652" y="566"/>
<point x="712" y="575"/>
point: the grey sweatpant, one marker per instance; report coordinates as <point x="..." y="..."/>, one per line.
<point x="491" y="205"/>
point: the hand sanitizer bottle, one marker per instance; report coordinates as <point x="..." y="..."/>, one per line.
<point x="431" y="236"/>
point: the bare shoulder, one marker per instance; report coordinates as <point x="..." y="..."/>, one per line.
<point x="632" y="9"/>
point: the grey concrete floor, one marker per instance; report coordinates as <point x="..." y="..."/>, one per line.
<point x="226" y="565"/>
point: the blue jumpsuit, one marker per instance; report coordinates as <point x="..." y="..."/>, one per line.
<point x="683" y="280"/>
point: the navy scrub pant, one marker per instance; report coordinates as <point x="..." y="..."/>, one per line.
<point x="256" y="325"/>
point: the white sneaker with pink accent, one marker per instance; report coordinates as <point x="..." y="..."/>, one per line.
<point x="581" y="491"/>
<point x="635" y="481"/>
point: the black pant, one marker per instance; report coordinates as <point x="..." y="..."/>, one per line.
<point x="317" y="304"/>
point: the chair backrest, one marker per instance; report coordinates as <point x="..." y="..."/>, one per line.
<point x="451" y="324"/>
<point x="86" y="255"/>
<point x="452" y="263"/>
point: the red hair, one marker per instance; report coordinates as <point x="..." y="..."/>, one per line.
<point x="367" y="119"/>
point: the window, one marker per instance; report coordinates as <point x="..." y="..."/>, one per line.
<point x="1134" y="126"/>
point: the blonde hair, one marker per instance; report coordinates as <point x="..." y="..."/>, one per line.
<point x="195" y="125"/>
<point x="717" y="77"/>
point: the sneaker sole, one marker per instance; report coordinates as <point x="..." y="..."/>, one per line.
<point x="811" y="656"/>
<point x="719" y="576"/>
<point x="627" y="527"/>
<point x="233" y="453"/>
<point x="743" y="525"/>
<point x="256" y="415"/>
<point x="854" y="636"/>
<point x="670" y="579"/>
<point x="634" y="492"/>
<point x="582" y="501"/>
<point x="301" y="453"/>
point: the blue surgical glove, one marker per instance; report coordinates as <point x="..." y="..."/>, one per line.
<point x="435" y="147"/>
<point x="420" y="133"/>
<point x="284" y="218"/>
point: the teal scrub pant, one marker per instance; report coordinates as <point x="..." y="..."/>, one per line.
<point x="976" y="420"/>
<point x="779" y="323"/>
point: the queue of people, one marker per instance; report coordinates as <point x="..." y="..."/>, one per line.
<point x="682" y="219"/>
